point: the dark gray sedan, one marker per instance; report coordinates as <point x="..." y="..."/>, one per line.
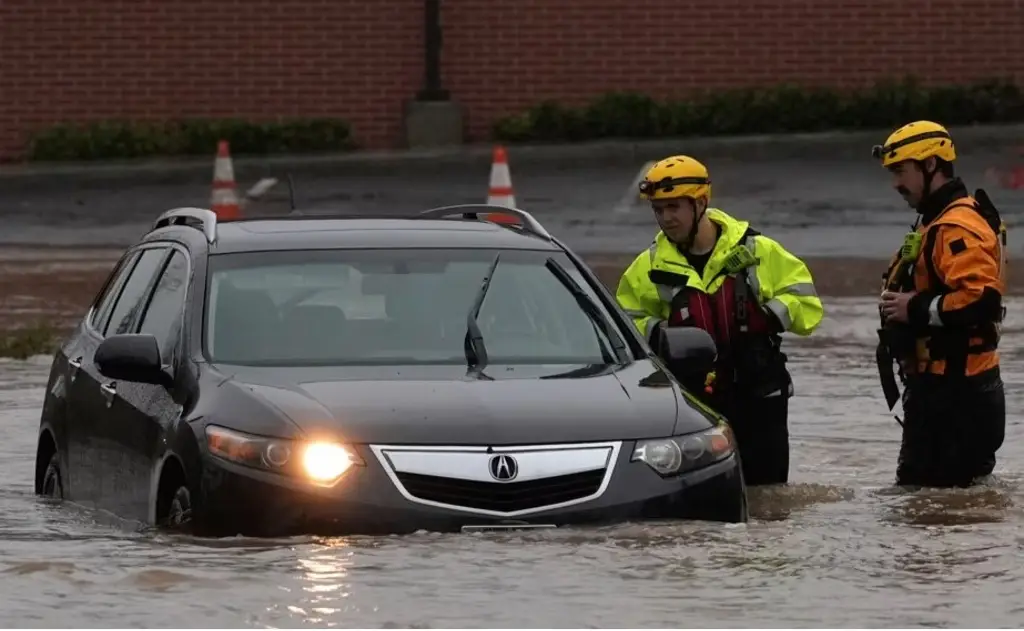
<point x="340" y="374"/>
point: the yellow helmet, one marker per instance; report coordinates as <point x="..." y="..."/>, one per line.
<point x="919" y="140"/>
<point x="676" y="176"/>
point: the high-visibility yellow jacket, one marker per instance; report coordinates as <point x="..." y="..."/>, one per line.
<point x="779" y="282"/>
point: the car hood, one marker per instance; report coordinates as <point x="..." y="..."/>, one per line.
<point x="590" y="405"/>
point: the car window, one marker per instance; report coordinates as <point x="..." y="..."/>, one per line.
<point x="163" y="314"/>
<point x="351" y="307"/>
<point x="134" y="294"/>
<point x="109" y="293"/>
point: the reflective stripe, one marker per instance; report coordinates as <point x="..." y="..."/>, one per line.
<point x="636" y="313"/>
<point x="781" y="312"/>
<point x="799" y="289"/>
<point x="666" y="293"/>
<point x="933" y="312"/>
<point x="750" y="273"/>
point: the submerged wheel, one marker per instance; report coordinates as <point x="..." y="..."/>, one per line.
<point x="179" y="510"/>
<point x="53" y="479"/>
<point x="722" y="499"/>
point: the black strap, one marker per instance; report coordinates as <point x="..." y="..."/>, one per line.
<point x="880" y="150"/>
<point x="939" y="340"/>
<point x="990" y="213"/>
<point x="741" y="290"/>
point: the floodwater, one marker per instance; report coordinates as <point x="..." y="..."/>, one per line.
<point x="839" y="547"/>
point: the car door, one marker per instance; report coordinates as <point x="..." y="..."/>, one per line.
<point x="141" y="413"/>
<point x="99" y="453"/>
<point x="80" y="386"/>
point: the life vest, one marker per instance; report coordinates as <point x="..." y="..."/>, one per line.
<point x="952" y="351"/>
<point x="747" y="338"/>
<point x="725" y="314"/>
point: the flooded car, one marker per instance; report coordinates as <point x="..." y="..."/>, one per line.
<point x="344" y="375"/>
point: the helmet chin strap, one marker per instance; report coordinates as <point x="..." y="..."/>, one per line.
<point x="928" y="177"/>
<point x="692" y="236"/>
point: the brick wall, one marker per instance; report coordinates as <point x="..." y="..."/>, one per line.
<point x="360" y="59"/>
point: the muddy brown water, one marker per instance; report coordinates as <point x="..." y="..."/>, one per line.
<point x="839" y="546"/>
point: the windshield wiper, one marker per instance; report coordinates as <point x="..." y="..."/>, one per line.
<point x="476" y="352"/>
<point x="593" y="312"/>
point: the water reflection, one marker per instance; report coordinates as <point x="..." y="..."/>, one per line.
<point x="320" y="593"/>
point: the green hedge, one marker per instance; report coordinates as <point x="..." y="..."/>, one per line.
<point x="780" y="109"/>
<point x="115" y="140"/>
<point x="40" y="338"/>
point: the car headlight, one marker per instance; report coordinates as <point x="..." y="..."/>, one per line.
<point x="320" y="462"/>
<point x="678" y="454"/>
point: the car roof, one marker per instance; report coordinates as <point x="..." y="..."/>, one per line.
<point x="320" y="231"/>
<point x="291" y="234"/>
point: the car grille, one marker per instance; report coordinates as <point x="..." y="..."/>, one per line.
<point x="503" y="497"/>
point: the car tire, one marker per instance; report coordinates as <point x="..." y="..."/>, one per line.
<point x="727" y="502"/>
<point x="733" y="511"/>
<point x="52" y="485"/>
<point x="179" y="511"/>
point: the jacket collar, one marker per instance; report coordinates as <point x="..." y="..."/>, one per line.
<point x="667" y="257"/>
<point x="730" y="233"/>
<point x="931" y="206"/>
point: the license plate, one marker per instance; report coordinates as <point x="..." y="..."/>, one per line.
<point x="504" y="527"/>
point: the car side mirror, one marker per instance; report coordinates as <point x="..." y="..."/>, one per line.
<point x="688" y="351"/>
<point x="132" y="357"/>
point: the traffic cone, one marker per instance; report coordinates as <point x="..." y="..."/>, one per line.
<point x="500" y="192"/>
<point x="224" y="199"/>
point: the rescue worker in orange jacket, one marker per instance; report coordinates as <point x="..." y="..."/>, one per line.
<point x="709" y="270"/>
<point x="941" y="310"/>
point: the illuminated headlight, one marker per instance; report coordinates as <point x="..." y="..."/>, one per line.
<point x="322" y="463"/>
<point x="678" y="454"/>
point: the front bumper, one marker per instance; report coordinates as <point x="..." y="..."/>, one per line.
<point x="377" y="499"/>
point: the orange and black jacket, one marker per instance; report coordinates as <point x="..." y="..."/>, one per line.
<point x="960" y="279"/>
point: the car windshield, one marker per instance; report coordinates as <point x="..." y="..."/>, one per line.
<point x="399" y="306"/>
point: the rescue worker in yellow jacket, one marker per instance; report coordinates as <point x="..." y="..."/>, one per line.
<point x="709" y="270"/>
<point x="941" y="311"/>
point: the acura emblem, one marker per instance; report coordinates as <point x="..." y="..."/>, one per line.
<point x="503" y="468"/>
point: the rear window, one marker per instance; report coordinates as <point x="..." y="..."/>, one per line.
<point x="399" y="306"/>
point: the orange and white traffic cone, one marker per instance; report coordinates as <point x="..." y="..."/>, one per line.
<point x="224" y="199"/>
<point x="500" y="192"/>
